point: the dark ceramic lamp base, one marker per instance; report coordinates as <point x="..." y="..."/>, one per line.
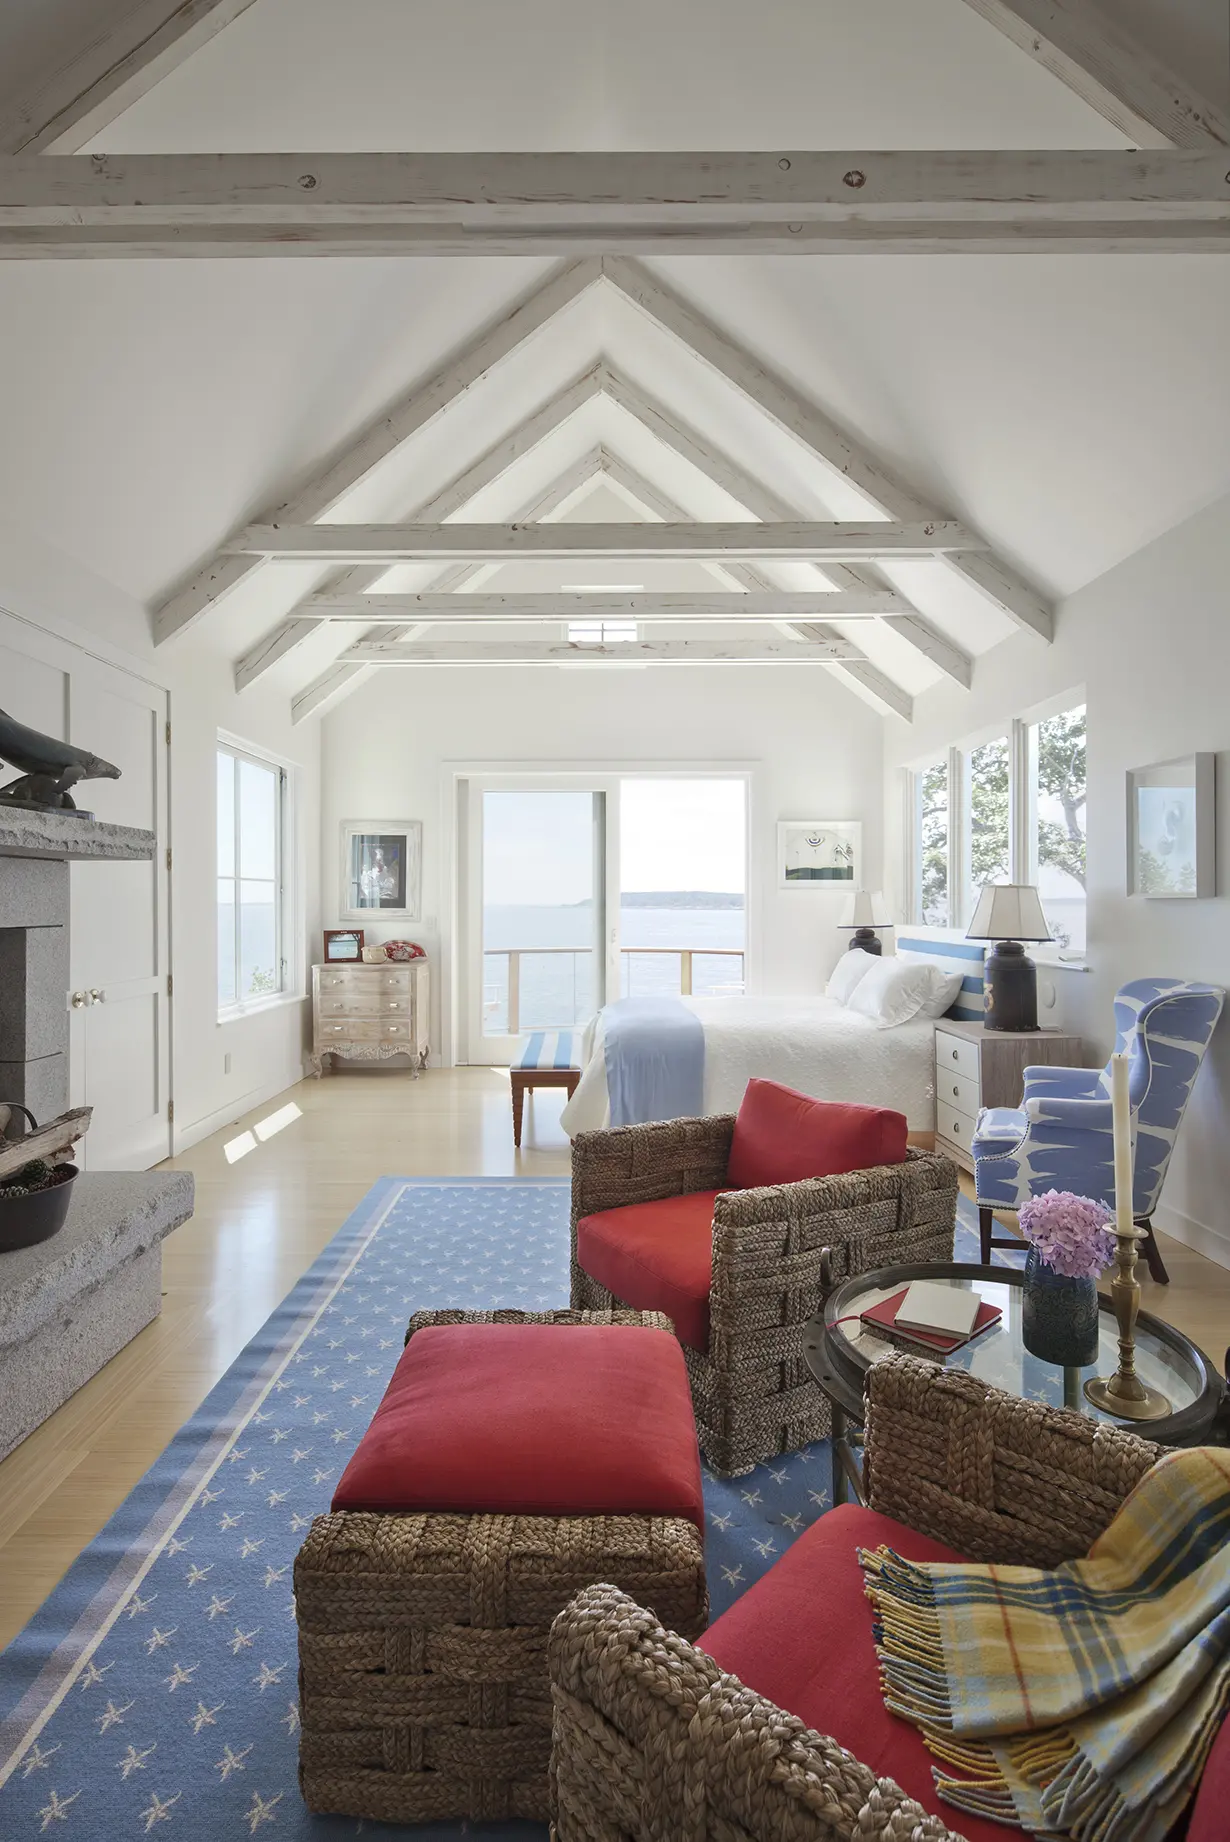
<point x="866" y="940"/>
<point x="1011" y="988"/>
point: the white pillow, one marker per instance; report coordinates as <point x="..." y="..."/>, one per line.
<point x="894" y="991"/>
<point x="849" y="970"/>
<point x="946" y="995"/>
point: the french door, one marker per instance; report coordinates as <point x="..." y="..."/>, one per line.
<point x="578" y="889"/>
<point x="541" y="890"/>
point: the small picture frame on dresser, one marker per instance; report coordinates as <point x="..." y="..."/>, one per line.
<point x="343" y="944"/>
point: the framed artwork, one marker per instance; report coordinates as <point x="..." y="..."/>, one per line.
<point x="1170" y="828"/>
<point x="819" y="854"/>
<point x="343" y="943"/>
<point x="381" y="870"/>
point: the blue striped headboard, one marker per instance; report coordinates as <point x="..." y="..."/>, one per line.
<point x="963" y="956"/>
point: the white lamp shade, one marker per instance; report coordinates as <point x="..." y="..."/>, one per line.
<point x="866" y="908"/>
<point x="1008" y="911"/>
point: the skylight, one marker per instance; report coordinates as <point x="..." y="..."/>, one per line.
<point x="600" y="632"/>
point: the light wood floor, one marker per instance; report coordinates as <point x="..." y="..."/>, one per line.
<point x="260" y="1222"/>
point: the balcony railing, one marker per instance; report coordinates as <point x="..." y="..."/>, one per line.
<point x="516" y="1003"/>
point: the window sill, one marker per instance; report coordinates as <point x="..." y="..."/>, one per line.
<point x="236" y="1013"/>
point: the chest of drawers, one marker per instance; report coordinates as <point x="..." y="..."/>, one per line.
<point x="370" y="1013"/>
<point x="977" y="1067"/>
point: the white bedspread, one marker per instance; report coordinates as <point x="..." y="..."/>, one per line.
<point x="812" y="1044"/>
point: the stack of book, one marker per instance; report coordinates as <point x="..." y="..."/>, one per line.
<point x="930" y="1319"/>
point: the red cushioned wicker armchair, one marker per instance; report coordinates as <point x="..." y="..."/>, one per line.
<point x="762" y="1261"/>
<point x="733" y="1737"/>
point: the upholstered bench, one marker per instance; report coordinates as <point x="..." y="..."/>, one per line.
<point x="546" y="1059"/>
<point x="515" y="1458"/>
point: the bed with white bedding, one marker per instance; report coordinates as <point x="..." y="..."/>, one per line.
<point x="696" y="1055"/>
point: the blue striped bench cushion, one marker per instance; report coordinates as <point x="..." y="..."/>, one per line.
<point x="548" y="1049"/>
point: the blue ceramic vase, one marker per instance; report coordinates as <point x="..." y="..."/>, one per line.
<point x="1059" y="1321"/>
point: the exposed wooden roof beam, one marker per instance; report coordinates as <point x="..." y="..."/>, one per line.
<point x="124" y="60"/>
<point x="329" y="483"/>
<point x="1082" y="44"/>
<point x="623" y="652"/>
<point x="274" y="646"/>
<point x="841" y="604"/>
<point x="494" y="204"/>
<point x="835" y="447"/>
<point x="500" y="543"/>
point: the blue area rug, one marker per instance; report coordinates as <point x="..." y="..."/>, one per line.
<point x="154" y="1693"/>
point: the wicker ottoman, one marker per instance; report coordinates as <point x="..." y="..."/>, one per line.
<point x="423" y="1626"/>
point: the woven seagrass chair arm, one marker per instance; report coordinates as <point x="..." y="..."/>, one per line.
<point x="631" y="1164"/>
<point x="651" y="1739"/>
<point x="998" y="1478"/>
<point x="817" y="1196"/>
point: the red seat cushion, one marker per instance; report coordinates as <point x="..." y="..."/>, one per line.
<point x="783" y="1137"/>
<point x="532" y="1420"/>
<point x="801" y="1636"/>
<point x="1210" y="1818"/>
<point x="656" y="1256"/>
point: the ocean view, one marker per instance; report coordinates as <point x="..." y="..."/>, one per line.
<point x="548" y="954"/>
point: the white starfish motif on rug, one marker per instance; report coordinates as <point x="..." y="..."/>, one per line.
<point x="159" y="1810"/>
<point x="56" y="1810"/>
<point x="134" y="1761"/>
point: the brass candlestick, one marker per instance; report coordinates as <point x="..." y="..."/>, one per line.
<point x="1124" y="1394"/>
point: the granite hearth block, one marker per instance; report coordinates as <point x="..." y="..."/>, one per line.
<point x="33" y="980"/>
<point x="33" y="892"/>
<point x="67" y="834"/>
<point x="70" y="1304"/>
<point x="40" y="1084"/>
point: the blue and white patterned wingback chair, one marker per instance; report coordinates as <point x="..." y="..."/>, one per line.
<point x="1060" y="1137"/>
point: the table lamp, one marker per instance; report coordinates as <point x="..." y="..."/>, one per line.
<point x="864" y="912"/>
<point x="1009" y="913"/>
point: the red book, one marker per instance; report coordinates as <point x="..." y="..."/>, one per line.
<point x="883" y="1318"/>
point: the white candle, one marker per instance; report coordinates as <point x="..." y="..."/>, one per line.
<point x="1121" y="1115"/>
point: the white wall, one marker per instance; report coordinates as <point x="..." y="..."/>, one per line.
<point x="1150" y="642"/>
<point x="814" y="747"/>
<point x="55" y="593"/>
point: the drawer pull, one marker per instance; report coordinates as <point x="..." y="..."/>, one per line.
<point x="956" y="1093"/>
<point x="956" y="1055"/>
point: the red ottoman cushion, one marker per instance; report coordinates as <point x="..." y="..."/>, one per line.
<point x="783" y="1137"/>
<point x="532" y="1420"/>
<point x="656" y="1256"/>
<point x="802" y="1637"/>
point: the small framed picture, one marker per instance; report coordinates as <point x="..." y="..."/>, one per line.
<point x="1171" y="842"/>
<point x="342" y="943"/>
<point x="819" y="854"/>
<point x="381" y="870"/>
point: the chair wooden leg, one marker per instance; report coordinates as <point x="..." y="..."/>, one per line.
<point x="986" y="1223"/>
<point x="518" y="1105"/>
<point x="1153" y="1255"/>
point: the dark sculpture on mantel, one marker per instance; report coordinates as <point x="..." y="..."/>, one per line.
<point x="48" y="769"/>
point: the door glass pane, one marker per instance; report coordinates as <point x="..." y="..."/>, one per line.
<point x="258" y="820"/>
<point x="539" y="917"/>
<point x="226" y="814"/>
<point x="226" y="940"/>
<point x="1057" y="757"/>
<point x="989" y="828"/>
<point x="933" y="846"/>
<point x="258" y="936"/>
<point x="683" y="872"/>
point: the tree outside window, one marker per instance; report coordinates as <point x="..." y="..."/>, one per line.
<point x="1057" y="752"/>
<point x="934" y="808"/>
<point x="990" y="831"/>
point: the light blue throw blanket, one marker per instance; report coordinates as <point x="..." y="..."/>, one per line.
<point x="654" y="1050"/>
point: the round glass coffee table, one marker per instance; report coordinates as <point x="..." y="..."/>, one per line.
<point x="839" y="1351"/>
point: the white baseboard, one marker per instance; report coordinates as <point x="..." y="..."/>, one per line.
<point x="1207" y="1241"/>
<point x="189" y="1135"/>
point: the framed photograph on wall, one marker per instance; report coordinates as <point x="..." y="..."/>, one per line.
<point x="819" y="854"/>
<point x="1171" y="835"/>
<point x="381" y="870"/>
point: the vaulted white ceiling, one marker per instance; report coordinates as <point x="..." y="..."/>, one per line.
<point x="1069" y="408"/>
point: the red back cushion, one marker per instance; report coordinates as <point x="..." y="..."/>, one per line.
<point x="783" y="1137"/>
<point x="1210" y="1818"/>
<point x="532" y="1420"/>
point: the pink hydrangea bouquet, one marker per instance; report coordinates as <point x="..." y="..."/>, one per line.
<point x="1071" y="1233"/>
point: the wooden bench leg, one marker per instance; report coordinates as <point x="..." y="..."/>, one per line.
<point x="986" y="1222"/>
<point x="519" y="1085"/>
<point x="1153" y="1255"/>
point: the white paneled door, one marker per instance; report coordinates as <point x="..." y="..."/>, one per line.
<point x="119" y="921"/>
<point x="119" y="1058"/>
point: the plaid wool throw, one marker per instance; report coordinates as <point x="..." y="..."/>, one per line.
<point x="1080" y="1703"/>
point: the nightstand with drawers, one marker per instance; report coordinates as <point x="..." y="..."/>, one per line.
<point x="370" y="1013"/>
<point x="977" y="1067"/>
